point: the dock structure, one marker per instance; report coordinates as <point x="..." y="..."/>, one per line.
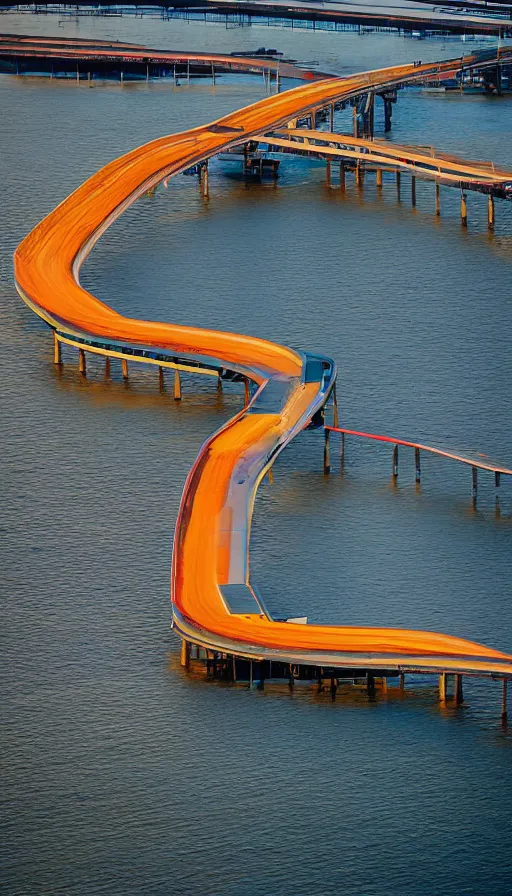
<point x="215" y="604"/>
<point x="82" y="59"/>
<point x="474" y="460"/>
<point x="420" y="20"/>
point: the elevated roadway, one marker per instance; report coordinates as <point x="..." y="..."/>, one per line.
<point x="215" y="603"/>
<point x="90" y="52"/>
<point x="420" y="161"/>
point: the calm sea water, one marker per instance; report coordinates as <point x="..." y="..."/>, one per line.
<point x="121" y="774"/>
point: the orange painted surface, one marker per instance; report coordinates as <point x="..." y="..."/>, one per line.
<point x="213" y="529"/>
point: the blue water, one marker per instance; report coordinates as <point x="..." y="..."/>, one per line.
<point x="121" y="774"/>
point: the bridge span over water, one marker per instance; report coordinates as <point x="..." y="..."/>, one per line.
<point x="215" y="604"/>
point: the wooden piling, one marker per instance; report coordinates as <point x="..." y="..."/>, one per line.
<point x="438" y="200"/>
<point x="124" y="368"/>
<point x="398" y="182"/>
<point x="474" y="484"/>
<point x="413" y="190"/>
<point x="417" y="464"/>
<point x="213" y="74"/>
<point x="247" y="392"/>
<point x="490" y="212"/>
<point x="342" y="452"/>
<point x="370" y="684"/>
<point x="57" y="354"/>
<point x="177" y="385"/>
<point x="504" y="713"/>
<point x="395" y="461"/>
<point x="185" y="654"/>
<point x="82" y="367"/>
<point x="270" y="476"/>
<point x="107" y="366"/>
<point x="342" y="175"/>
<point x="328" y="173"/>
<point x="463" y="210"/>
<point x="161" y="382"/>
<point x="331" y="117"/>
<point x="206" y="187"/>
<point x="219" y="383"/>
<point x="402" y="682"/>
<point x="497" y="478"/>
<point x="458" y="694"/>
<point x="379" y="177"/>
<point x="335" y="416"/>
<point x="442" y="687"/>
<point x="327" y="452"/>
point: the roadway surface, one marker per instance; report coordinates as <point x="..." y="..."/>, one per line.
<point x="214" y="602"/>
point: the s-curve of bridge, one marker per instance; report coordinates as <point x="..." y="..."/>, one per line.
<point x="214" y="602"/>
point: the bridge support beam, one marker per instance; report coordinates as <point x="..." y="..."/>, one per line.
<point x="474" y="485"/>
<point x="490" y="212"/>
<point x="417" y="464"/>
<point x="395" y="461"/>
<point x="463" y="209"/>
<point x="378" y="178"/>
<point x="327" y="452"/>
<point x="177" y="385"/>
<point x="57" y="354"/>
<point x="185" y="654"/>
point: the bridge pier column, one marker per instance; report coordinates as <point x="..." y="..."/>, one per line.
<point x="379" y="177"/>
<point x="463" y="209"/>
<point x="398" y="182"/>
<point x="82" y="367"/>
<point x="57" y="354"/>
<point x="504" y="714"/>
<point x="395" y="461"/>
<point x="177" y="385"/>
<point x="490" y="212"/>
<point x="342" y="175"/>
<point x="417" y="464"/>
<point x="331" y="117"/>
<point x="205" y="184"/>
<point x="247" y="392"/>
<point x="474" y="485"/>
<point x="124" y="368"/>
<point x="458" y="693"/>
<point x="328" y="172"/>
<point x="161" y="383"/>
<point x="442" y="687"/>
<point x="327" y="451"/>
<point x="185" y="654"/>
<point x="413" y="190"/>
<point x="438" y="200"/>
<point x="107" y="367"/>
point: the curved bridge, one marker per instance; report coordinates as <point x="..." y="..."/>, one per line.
<point x="214" y="601"/>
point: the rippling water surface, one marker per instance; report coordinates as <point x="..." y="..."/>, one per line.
<point x="123" y="775"/>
